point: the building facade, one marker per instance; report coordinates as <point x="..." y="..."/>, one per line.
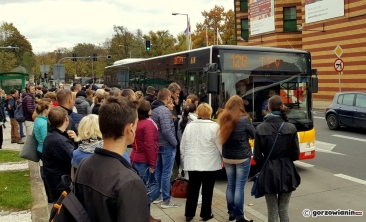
<point x="318" y="26"/>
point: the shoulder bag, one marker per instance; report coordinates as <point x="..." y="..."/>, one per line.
<point x="29" y="149"/>
<point x="255" y="189"/>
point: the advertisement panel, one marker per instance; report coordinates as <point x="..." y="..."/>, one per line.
<point x="318" y="10"/>
<point x="261" y="16"/>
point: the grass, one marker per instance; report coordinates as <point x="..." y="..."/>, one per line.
<point x="15" y="190"/>
<point x="10" y="156"/>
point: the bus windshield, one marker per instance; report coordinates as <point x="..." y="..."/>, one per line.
<point x="256" y="77"/>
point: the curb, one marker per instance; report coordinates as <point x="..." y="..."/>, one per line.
<point x="40" y="212"/>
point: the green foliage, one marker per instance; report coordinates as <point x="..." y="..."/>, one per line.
<point x="10" y="156"/>
<point x="15" y="190"/>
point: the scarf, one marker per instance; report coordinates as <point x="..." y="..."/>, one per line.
<point x="274" y="114"/>
<point x="89" y="147"/>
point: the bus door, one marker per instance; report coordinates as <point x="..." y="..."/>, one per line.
<point x="196" y="84"/>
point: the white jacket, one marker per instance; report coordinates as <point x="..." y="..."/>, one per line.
<point x="200" y="148"/>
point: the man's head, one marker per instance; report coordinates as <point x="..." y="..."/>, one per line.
<point x="150" y="90"/>
<point x="164" y="96"/>
<point x="64" y="98"/>
<point x="174" y="89"/>
<point x="271" y="93"/>
<point x="58" y="117"/>
<point x="89" y="93"/>
<point x="118" y="119"/>
<point x="77" y="87"/>
<point x="14" y="92"/>
<point x="31" y="89"/>
<point x="129" y="93"/>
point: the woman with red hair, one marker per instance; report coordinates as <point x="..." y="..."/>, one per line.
<point x="235" y="131"/>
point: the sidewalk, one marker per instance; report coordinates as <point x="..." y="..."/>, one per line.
<point x="219" y="210"/>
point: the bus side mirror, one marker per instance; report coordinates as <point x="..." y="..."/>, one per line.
<point x="212" y="82"/>
<point x="314" y="84"/>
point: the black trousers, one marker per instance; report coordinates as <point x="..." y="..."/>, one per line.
<point x="196" y="179"/>
<point x="1" y="136"/>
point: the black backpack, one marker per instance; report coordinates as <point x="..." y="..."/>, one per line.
<point x="68" y="207"/>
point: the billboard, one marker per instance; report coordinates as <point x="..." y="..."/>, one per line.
<point x="261" y="14"/>
<point x="318" y="10"/>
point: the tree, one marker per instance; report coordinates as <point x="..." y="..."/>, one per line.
<point x="216" y="19"/>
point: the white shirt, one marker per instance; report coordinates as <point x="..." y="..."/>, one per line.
<point x="200" y="148"/>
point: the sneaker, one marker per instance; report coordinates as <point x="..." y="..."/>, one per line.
<point x="169" y="204"/>
<point x="232" y="217"/>
<point x="159" y="200"/>
<point x="20" y="142"/>
<point x="199" y="200"/>
<point x="244" y="220"/>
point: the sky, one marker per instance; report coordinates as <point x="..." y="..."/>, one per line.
<point x="51" y="24"/>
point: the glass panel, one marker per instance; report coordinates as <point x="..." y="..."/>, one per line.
<point x="243" y="5"/>
<point x="244" y="29"/>
<point x="289" y="13"/>
<point x="290" y="26"/>
<point x="340" y="99"/>
<point x="361" y="100"/>
<point x="348" y="99"/>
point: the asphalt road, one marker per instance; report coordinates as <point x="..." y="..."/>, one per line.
<point x="335" y="179"/>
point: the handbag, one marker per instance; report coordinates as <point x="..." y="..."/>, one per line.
<point x="255" y="189"/>
<point x="179" y="187"/>
<point x="29" y="149"/>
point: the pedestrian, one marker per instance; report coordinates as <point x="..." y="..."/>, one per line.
<point x="279" y="177"/>
<point x="201" y="153"/>
<point x="2" y="116"/>
<point x="11" y="102"/>
<point x="146" y="147"/>
<point x="129" y="93"/>
<point x="167" y="146"/>
<point x="150" y="94"/>
<point x="40" y="132"/>
<point x="57" y="152"/>
<point x="81" y="103"/>
<point x="106" y="185"/>
<point x="29" y="105"/>
<point x="235" y="131"/>
<point x="98" y="99"/>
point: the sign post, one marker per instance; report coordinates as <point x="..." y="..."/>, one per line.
<point x="338" y="67"/>
<point x="338" y="64"/>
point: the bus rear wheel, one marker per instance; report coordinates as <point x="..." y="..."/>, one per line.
<point x="332" y="122"/>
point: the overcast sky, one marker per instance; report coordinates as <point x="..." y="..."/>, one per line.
<point x="49" y="24"/>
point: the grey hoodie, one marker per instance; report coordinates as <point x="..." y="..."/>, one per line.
<point x="82" y="106"/>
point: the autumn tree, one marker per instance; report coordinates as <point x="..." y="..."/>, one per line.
<point x="215" y="19"/>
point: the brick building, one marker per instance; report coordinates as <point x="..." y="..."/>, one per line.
<point x="317" y="26"/>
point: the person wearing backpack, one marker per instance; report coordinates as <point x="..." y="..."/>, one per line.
<point x="28" y="109"/>
<point x="11" y="107"/>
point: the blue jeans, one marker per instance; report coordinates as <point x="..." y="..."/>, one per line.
<point x="237" y="175"/>
<point x="163" y="170"/>
<point x="141" y="169"/>
<point x="21" y="129"/>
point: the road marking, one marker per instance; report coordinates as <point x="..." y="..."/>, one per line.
<point x="349" y="137"/>
<point x="351" y="178"/>
<point x="319" y="117"/>
<point x="325" y="147"/>
<point x="303" y="164"/>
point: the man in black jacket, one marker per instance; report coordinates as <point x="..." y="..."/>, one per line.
<point x="106" y="185"/>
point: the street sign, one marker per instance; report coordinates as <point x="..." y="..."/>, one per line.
<point x="45" y="68"/>
<point x="338" y="51"/>
<point x="59" y="71"/>
<point x="338" y="65"/>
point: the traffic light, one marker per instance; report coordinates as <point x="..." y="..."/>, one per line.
<point x="45" y="75"/>
<point x="74" y="57"/>
<point x="109" y="56"/>
<point x="95" y="57"/>
<point x="147" y="45"/>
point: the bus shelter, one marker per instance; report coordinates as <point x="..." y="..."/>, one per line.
<point x="12" y="80"/>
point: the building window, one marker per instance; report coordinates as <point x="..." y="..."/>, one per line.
<point x="289" y="19"/>
<point x="244" y="29"/>
<point x="244" y="5"/>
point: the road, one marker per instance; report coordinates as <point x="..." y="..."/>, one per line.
<point x="335" y="179"/>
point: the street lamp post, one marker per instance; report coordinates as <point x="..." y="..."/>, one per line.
<point x="188" y="31"/>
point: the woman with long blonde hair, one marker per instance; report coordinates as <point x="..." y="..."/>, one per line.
<point x="235" y="131"/>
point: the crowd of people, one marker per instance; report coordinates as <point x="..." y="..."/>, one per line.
<point x="84" y="133"/>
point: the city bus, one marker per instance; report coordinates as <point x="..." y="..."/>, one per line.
<point x="217" y="72"/>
